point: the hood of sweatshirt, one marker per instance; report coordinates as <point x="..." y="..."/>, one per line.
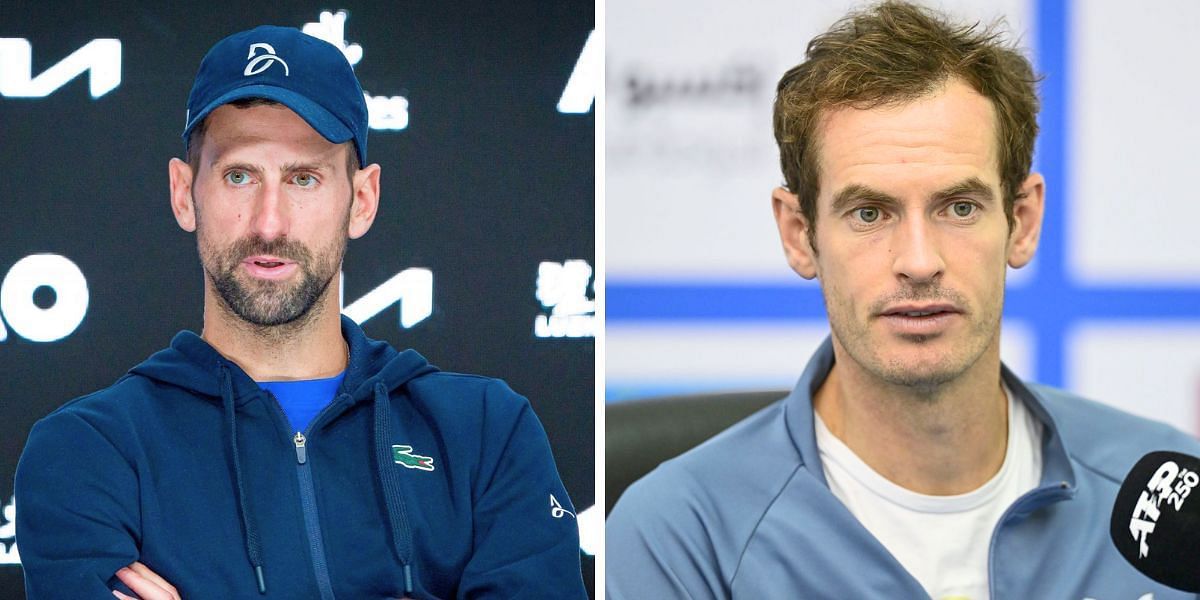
<point x="375" y="370"/>
<point x="192" y="364"/>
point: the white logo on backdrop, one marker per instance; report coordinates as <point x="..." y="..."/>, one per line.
<point x="20" y="309"/>
<point x="563" y="288"/>
<point x="412" y="288"/>
<point x="262" y="62"/>
<point x="100" y="58"/>
<point x="580" y="92"/>
<point x="386" y="112"/>
<point x="331" y="27"/>
<point x="8" y="535"/>
<point x="383" y="112"/>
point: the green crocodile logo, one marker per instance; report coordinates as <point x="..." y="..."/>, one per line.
<point x="403" y="456"/>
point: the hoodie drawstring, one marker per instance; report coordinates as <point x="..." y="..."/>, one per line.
<point x="388" y="477"/>
<point x="253" y="550"/>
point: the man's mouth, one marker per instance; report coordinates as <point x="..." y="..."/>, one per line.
<point x="920" y="319"/>
<point x="268" y="267"/>
<point x="916" y="311"/>
<point x="267" y="260"/>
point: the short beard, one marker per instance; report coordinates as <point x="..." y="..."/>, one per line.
<point x="273" y="309"/>
<point x="273" y="303"/>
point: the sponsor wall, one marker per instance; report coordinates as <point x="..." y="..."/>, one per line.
<point x="698" y="296"/>
<point x="481" y="258"/>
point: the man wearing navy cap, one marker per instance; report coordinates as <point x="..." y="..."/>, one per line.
<point x="281" y="453"/>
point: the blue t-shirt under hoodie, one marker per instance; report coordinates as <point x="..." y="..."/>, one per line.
<point x="303" y="400"/>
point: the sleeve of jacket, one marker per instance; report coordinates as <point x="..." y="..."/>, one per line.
<point x="525" y="546"/>
<point x="657" y="546"/>
<point x="77" y="510"/>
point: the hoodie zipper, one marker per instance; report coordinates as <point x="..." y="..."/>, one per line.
<point x="308" y="501"/>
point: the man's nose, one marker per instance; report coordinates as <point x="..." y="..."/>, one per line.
<point x="918" y="256"/>
<point x="271" y="214"/>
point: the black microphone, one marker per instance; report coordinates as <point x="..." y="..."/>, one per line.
<point x="1156" y="521"/>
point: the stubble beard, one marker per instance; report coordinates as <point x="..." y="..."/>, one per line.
<point x="271" y="306"/>
<point x="265" y="304"/>
<point x="927" y="374"/>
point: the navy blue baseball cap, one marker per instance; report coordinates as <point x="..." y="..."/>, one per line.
<point x="306" y="74"/>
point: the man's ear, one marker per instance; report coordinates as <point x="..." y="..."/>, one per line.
<point x="364" y="201"/>
<point x="793" y="232"/>
<point x="181" y="174"/>
<point x="1028" y="210"/>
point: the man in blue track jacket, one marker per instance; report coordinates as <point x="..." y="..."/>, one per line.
<point x="281" y="453"/>
<point x="908" y="462"/>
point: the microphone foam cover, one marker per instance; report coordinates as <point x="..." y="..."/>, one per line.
<point x="1156" y="519"/>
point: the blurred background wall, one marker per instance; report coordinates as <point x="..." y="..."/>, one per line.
<point x="699" y="297"/>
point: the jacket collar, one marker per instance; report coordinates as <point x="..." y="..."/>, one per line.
<point x="193" y="364"/>
<point x="1057" y="471"/>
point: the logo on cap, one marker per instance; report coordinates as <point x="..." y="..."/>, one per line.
<point x="262" y="62"/>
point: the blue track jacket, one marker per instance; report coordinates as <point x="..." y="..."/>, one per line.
<point x="748" y="514"/>
<point x="411" y="482"/>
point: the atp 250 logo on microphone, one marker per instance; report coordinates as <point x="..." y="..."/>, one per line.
<point x="1170" y="483"/>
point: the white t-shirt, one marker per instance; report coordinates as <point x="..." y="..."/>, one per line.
<point x="941" y="540"/>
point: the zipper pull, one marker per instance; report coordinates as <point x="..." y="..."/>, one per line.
<point x="301" y="452"/>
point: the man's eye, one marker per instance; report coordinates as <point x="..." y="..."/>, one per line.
<point x="963" y="209"/>
<point x="304" y="180"/>
<point x="867" y="214"/>
<point x="237" y="177"/>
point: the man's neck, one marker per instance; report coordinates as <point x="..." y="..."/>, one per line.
<point x="945" y="441"/>
<point x="311" y="349"/>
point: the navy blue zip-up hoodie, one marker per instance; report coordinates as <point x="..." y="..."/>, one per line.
<point x="412" y="482"/>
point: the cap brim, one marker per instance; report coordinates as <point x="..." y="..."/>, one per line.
<point x="321" y="120"/>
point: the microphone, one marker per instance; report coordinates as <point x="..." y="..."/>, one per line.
<point x="1156" y="521"/>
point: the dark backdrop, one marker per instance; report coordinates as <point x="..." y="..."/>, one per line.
<point x="487" y="181"/>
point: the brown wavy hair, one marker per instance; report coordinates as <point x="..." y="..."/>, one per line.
<point x="894" y="53"/>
